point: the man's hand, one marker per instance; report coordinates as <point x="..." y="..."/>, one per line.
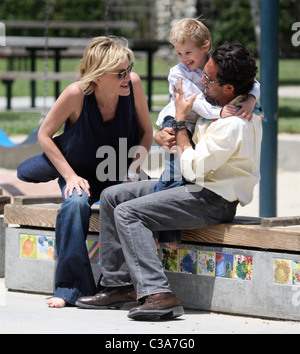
<point x="166" y="138"/>
<point x="182" y="105"/>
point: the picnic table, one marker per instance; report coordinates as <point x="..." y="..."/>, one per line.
<point x="69" y="25"/>
<point x="59" y="44"/>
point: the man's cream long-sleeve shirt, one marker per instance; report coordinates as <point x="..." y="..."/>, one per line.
<point x="226" y="157"/>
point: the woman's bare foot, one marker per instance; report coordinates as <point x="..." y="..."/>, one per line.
<point x="56" y="302"/>
<point x="173" y="245"/>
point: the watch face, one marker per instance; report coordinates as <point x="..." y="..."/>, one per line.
<point x="177" y="124"/>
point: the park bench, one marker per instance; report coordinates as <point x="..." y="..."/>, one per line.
<point x="8" y="78"/>
<point x="69" y="25"/>
<point x="249" y="266"/>
<point x="61" y="45"/>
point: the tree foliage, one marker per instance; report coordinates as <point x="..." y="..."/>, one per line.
<point x="228" y="20"/>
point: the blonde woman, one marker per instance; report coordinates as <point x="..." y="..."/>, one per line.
<point x="106" y="108"/>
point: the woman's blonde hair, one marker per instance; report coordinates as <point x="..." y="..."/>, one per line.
<point x="192" y="29"/>
<point x="102" y="55"/>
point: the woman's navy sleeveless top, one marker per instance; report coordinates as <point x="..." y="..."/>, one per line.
<point x="80" y="142"/>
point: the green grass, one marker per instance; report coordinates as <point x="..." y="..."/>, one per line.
<point x="13" y="123"/>
<point x="19" y="123"/>
<point x="289" y="115"/>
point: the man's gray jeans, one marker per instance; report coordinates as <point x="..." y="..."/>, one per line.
<point x="129" y="214"/>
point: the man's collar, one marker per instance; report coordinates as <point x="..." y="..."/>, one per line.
<point x="257" y="109"/>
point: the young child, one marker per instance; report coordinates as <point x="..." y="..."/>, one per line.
<point x="193" y="43"/>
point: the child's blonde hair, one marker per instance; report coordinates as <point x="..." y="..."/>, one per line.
<point x="102" y="55"/>
<point x="193" y="29"/>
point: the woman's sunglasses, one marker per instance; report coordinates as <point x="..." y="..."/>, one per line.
<point x="122" y="74"/>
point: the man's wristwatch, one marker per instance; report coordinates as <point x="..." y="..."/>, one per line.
<point x="178" y="124"/>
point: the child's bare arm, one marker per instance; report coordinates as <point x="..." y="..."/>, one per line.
<point x="228" y="110"/>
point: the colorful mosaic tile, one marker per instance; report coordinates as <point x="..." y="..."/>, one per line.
<point x="206" y="263"/>
<point x="243" y="267"/>
<point x="45" y="247"/>
<point x="224" y="265"/>
<point x="282" y="271"/>
<point x="188" y="261"/>
<point x="169" y="259"/>
<point x="296" y="273"/>
<point x="93" y="249"/>
<point x="28" y="245"/>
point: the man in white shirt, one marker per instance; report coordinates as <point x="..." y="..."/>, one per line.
<point x="222" y="170"/>
<point x="226" y="156"/>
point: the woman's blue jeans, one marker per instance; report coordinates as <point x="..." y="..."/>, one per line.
<point x="74" y="277"/>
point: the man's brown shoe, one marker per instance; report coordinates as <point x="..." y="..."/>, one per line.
<point x="162" y="306"/>
<point x="123" y="298"/>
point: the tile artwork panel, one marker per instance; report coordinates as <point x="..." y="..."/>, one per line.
<point x="37" y="247"/>
<point x="212" y="264"/>
<point x="204" y="263"/>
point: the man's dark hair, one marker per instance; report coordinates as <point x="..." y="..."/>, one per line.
<point x="237" y="67"/>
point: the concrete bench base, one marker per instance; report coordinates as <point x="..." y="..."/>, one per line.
<point x="246" y="282"/>
<point x="206" y="277"/>
<point x="30" y="259"/>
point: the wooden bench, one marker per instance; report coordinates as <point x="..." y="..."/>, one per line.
<point x="8" y="77"/>
<point x="264" y="233"/>
<point x="60" y="44"/>
<point x="70" y="25"/>
<point x="260" y="276"/>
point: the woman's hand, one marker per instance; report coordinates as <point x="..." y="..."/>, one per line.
<point x="78" y="183"/>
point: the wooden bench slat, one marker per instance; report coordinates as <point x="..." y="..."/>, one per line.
<point x="29" y="75"/>
<point x="243" y="232"/>
<point x="40" y="199"/>
<point x="41" y="215"/>
<point x="280" y="221"/>
<point x="255" y="236"/>
<point x="89" y="25"/>
<point x="54" y="76"/>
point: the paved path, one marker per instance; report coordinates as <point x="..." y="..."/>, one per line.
<point x="28" y="313"/>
